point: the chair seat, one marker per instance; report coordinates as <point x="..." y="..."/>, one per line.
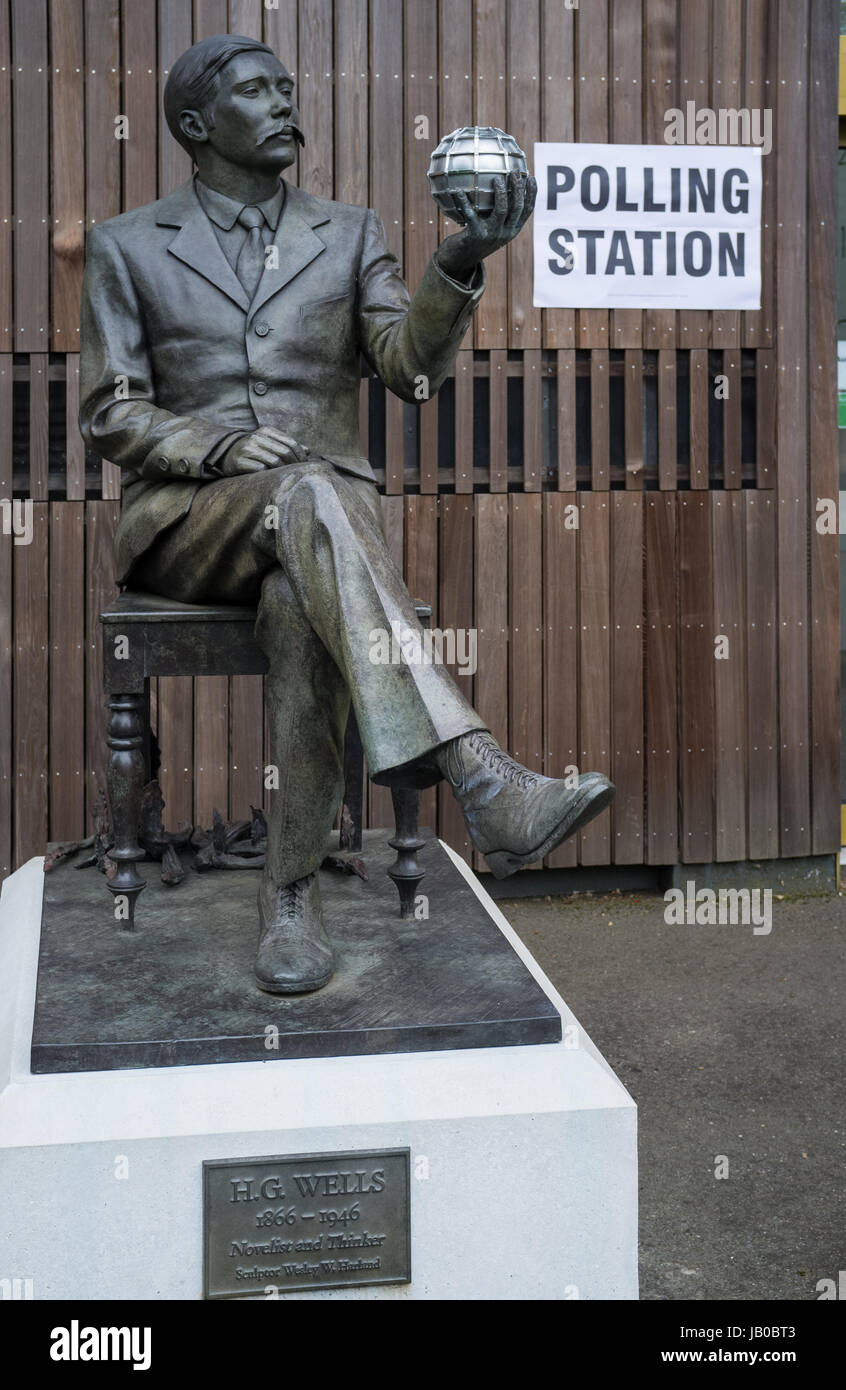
<point x="134" y="607"/>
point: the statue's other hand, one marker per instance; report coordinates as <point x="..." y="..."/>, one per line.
<point x="265" y="448"/>
<point x="514" y="201"/>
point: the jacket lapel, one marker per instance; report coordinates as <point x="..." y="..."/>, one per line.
<point x="297" y="244"/>
<point x="196" y="245"/>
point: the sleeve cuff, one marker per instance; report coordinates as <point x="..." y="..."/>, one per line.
<point x="472" y="291"/>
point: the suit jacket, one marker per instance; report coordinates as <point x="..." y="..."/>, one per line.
<point x="176" y="362"/>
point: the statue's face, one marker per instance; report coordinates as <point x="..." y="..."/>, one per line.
<point x="253" y="104"/>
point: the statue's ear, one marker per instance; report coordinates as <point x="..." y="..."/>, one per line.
<point x="193" y="126"/>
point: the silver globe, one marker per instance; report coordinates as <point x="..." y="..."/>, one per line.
<point x="469" y="160"/>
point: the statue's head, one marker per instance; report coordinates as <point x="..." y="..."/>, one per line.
<point x="230" y="95"/>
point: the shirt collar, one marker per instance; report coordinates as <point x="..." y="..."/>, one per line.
<point x="224" y="210"/>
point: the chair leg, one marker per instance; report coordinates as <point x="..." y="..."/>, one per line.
<point x="125" y="776"/>
<point x="406" y="872"/>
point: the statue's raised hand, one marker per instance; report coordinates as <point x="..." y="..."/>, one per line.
<point x="514" y="201"/>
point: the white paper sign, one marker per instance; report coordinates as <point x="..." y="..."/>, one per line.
<point x="647" y="226"/>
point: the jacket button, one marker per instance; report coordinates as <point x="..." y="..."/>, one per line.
<point x="163" y="465"/>
<point x="260" y="387"/>
<point x="183" y="465"/>
<point x="262" y="329"/>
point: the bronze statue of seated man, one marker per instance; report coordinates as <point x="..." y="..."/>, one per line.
<point x="222" y="332"/>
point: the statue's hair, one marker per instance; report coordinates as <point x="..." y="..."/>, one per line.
<point x="193" y="79"/>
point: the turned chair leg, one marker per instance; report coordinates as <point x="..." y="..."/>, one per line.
<point x="125" y="777"/>
<point x="406" y="872"/>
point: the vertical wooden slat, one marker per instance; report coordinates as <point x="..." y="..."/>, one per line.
<point x="626" y="97"/>
<point x="700" y="389"/>
<point x="245" y="744"/>
<point x="211" y="747"/>
<point x="727" y="92"/>
<point x="176" y="742"/>
<point x="762" y="673"/>
<point x="67" y="670"/>
<point x="660" y="28"/>
<point x="525" y="612"/>
<point x="421" y="577"/>
<point x="633" y="417"/>
<point x="592" y="124"/>
<point x="245" y="18"/>
<point x="174" y="29"/>
<point x="455" y="610"/>
<point x="67" y="134"/>
<point x="209" y="18"/>
<point x="627" y="677"/>
<point x="463" y="423"/>
<point x="595" y="660"/>
<point x="455" y="62"/>
<point x="661" y="681"/>
<point x="791" y="144"/>
<point x="732" y="419"/>
<point x="532" y="421"/>
<point x="695" y="85"/>
<point x="75" y="448"/>
<point x="421" y="101"/>
<point x="730" y="699"/>
<point x="138" y="42"/>
<point x="557" y="96"/>
<point x="316" y="91"/>
<point x="696" y="680"/>
<point x="31" y="677"/>
<point x="490" y="574"/>
<point x="352" y="112"/>
<point x="489" y="63"/>
<point x="761" y="39"/>
<point x="498" y="420"/>
<point x="766" y="415"/>
<point x="39" y="425"/>
<point x="561" y="648"/>
<point x="102" y="149"/>
<point x="6" y="214"/>
<point x="30" y="175"/>
<point x="565" y="379"/>
<point x="100" y="588"/>
<point x="667" y="420"/>
<point x="600" y="422"/>
<point x="825" y="635"/>
<point x="523" y="74"/>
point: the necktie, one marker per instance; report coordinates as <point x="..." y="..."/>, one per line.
<point x="250" y="263"/>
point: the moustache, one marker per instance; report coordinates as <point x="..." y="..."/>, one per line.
<point x="288" y="127"/>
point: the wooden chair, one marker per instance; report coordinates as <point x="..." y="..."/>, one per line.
<point x="166" y="638"/>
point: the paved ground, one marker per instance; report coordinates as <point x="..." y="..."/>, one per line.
<point x="731" y="1044"/>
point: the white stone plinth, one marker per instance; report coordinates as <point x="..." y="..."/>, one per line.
<point x="523" y="1159"/>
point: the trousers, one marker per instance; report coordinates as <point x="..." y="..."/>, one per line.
<point x="305" y="542"/>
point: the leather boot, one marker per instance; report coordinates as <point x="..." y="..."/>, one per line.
<point x="294" y="954"/>
<point x="515" y="816"/>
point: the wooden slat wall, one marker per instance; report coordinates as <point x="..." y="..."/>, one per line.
<point x="597" y="611"/>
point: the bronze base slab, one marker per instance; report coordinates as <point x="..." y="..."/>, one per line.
<point x="179" y="989"/>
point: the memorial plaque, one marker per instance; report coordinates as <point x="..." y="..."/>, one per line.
<point x="306" y="1221"/>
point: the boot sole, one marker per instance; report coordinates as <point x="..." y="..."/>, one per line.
<point x="503" y="862"/>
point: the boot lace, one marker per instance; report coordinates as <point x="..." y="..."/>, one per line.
<point x="291" y="895"/>
<point x="500" y="763"/>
